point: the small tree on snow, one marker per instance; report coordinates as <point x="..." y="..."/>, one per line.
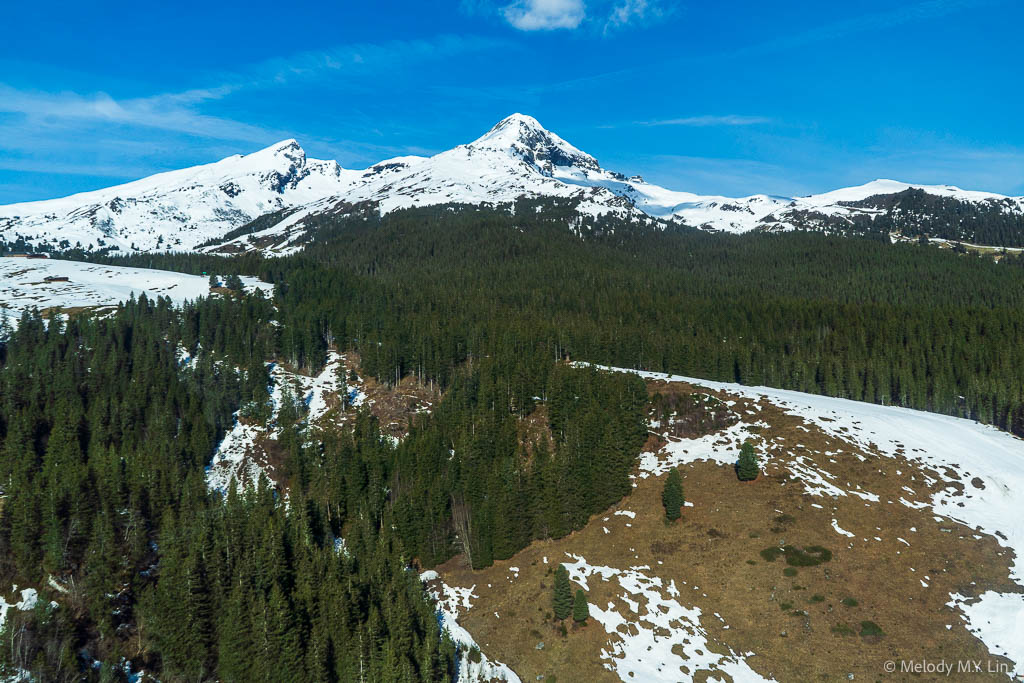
<point x="747" y="467"/>
<point x="672" y="495"/>
<point x="580" y="608"/>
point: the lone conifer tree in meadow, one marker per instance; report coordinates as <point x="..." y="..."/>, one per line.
<point x="580" y="608"/>
<point x="747" y="467"/>
<point x="562" y="600"/>
<point x="672" y="495"/>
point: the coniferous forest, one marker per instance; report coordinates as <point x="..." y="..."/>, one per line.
<point x="105" y="436"/>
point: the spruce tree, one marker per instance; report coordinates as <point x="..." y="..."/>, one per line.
<point x="562" y="601"/>
<point x="747" y="468"/>
<point x="580" y="608"/>
<point x="672" y="495"/>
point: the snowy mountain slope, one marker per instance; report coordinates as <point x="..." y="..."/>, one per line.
<point x="518" y="158"/>
<point x="177" y="210"/>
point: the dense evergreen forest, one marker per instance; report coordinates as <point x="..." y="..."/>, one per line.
<point x="105" y="441"/>
<point x="421" y="291"/>
<point x="104" y="435"/>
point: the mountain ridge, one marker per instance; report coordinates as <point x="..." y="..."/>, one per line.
<point x="517" y="158"/>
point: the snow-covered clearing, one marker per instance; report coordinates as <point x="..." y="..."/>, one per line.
<point x="978" y="470"/>
<point x="23" y="285"/>
<point x="649" y="635"/>
<point x="451" y="600"/>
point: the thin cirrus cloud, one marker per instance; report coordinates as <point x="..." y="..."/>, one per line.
<point x="631" y="12"/>
<point x="68" y="116"/>
<point x="708" y="120"/>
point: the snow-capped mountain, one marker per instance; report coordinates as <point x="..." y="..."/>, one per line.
<point x="176" y="210"/>
<point x="518" y="158"/>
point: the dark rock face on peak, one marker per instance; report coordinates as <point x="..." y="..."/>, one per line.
<point x="525" y="137"/>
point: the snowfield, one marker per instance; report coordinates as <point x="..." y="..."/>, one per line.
<point x="23" y="285"/>
<point x="177" y="210"/>
<point x="982" y="469"/>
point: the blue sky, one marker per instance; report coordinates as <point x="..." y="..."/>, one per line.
<point x="728" y="97"/>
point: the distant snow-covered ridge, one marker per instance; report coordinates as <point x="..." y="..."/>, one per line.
<point x="518" y="158"/>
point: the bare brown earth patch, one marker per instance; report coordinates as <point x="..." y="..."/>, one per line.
<point x="896" y="571"/>
<point x="395" y="408"/>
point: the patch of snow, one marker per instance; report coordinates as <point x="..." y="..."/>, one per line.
<point x="997" y="619"/>
<point x="234" y="455"/>
<point x="840" y="530"/>
<point x="451" y="601"/>
<point x="29" y="600"/>
<point x="640" y="652"/>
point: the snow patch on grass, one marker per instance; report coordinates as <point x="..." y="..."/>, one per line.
<point x="638" y="651"/>
<point x="451" y="601"/>
<point x="997" y="619"/>
<point x="23" y="285"/>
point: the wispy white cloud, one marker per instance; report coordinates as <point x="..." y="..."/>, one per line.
<point x="68" y="132"/>
<point x="545" y="15"/>
<point x="708" y="120"/>
<point x="631" y="12"/>
<point x="181" y="112"/>
<point x="599" y="16"/>
<point x="171" y="112"/>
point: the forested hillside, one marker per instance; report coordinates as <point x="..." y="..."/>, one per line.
<point x="917" y="213"/>
<point x="105" y="433"/>
<point x="423" y="291"/>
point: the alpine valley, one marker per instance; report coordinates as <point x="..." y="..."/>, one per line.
<point x="501" y="414"/>
<point x="270" y="199"/>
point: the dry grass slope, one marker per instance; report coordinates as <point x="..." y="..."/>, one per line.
<point x="804" y="624"/>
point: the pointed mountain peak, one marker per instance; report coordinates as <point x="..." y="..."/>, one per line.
<point x="522" y="121"/>
<point x="289" y="148"/>
<point x="524" y="137"/>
